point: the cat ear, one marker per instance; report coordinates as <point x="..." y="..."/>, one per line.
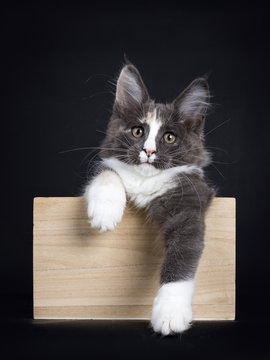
<point x="192" y="104"/>
<point x="130" y="90"/>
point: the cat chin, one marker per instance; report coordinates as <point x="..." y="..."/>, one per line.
<point x="147" y="169"/>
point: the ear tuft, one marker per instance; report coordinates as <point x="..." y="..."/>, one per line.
<point x="192" y="104"/>
<point x="126" y="60"/>
<point x="130" y="89"/>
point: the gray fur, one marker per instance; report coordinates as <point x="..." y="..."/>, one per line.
<point x="181" y="211"/>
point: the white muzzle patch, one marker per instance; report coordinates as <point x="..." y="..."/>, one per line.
<point x="150" y="143"/>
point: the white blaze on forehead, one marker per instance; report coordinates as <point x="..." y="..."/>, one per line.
<point x="154" y="125"/>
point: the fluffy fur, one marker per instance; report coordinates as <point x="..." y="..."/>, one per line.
<point x="172" y="312"/>
<point x="162" y="174"/>
<point x="106" y="201"/>
<point x="145" y="184"/>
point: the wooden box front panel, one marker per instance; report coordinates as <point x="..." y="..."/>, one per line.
<point x="80" y="273"/>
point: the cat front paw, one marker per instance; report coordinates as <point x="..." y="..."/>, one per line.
<point x="171" y="313"/>
<point x="106" y="200"/>
<point x="170" y="317"/>
<point x="104" y="214"/>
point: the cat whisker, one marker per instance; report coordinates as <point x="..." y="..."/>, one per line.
<point x="218" y="126"/>
<point x="225" y="163"/>
<point x="205" y="147"/>
<point x="89" y="148"/>
<point x="87" y="156"/>
<point x="95" y="75"/>
<point x="77" y="149"/>
<point x="95" y="94"/>
<point x="216" y="148"/>
<point x="115" y="137"/>
<point x="220" y="173"/>
<point x="174" y="163"/>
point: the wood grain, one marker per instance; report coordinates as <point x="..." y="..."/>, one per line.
<point x="80" y="273"/>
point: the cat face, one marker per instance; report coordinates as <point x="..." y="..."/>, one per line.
<point x="150" y="135"/>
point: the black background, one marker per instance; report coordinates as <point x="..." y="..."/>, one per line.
<point x="58" y="65"/>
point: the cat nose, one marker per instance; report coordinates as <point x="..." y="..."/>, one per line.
<point x="149" y="152"/>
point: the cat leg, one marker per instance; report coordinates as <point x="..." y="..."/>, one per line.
<point x="106" y="200"/>
<point x="172" y="307"/>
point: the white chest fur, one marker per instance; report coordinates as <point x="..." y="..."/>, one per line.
<point x="143" y="182"/>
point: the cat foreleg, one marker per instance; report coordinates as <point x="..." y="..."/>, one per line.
<point x="106" y="201"/>
<point x="172" y="307"/>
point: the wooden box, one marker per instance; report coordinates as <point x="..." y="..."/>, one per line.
<point x="80" y="273"/>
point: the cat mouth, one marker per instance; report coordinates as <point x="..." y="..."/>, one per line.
<point x="148" y="164"/>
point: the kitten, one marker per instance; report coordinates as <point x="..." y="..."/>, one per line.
<point x="153" y="154"/>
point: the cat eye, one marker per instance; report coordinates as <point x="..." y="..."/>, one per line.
<point x="137" y="131"/>
<point x="169" y="138"/>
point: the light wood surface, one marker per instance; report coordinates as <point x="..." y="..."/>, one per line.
<point x="80" y="273"/>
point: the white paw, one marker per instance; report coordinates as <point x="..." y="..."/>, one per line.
<point x="172" y="312"/>
<point x="170" y="316"/>
<point x="106" y="200"/>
